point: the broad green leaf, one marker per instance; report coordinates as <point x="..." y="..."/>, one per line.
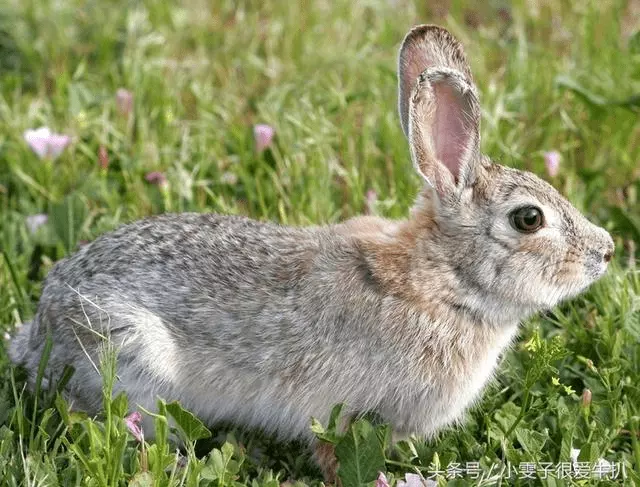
<point x="506" y="415"/>
<point x="119" y="405"/>
<point x="216" y="466"/>
<point x="192" y="428"/>
<point x="531" y="441"/>
<point x="331" y="433"/>
<point x="360" y="455"/>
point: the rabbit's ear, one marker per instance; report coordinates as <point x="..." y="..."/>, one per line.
<point x="439" y="109"/>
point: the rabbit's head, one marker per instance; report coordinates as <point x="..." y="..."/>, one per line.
<point x="510" y="237"/>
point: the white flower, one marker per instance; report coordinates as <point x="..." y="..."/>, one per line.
<point x="36" y="221"/>
<point x="601" y="465"/>
<point x="575" y="452"/>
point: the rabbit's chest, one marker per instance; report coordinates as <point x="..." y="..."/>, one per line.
<point x="465" y="384"/>
<point x="454" y="379"/>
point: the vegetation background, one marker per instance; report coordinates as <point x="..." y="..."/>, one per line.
<point x="160" y="100"/>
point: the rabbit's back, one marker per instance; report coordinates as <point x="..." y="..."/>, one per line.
<point x="186" y="269"/>
<point x="194" y="250"/>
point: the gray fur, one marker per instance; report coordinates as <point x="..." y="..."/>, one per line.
<point x="265" y="325"/>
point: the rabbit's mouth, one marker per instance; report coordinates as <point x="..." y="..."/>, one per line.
<point x="592" y="261"/>
<point x="574" y="276"/>
<point x="596" y="263"/>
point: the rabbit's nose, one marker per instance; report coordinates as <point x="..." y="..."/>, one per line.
<point x="604" y="248"/>
<point x="610" y="249"/>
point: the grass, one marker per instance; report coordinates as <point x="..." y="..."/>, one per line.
<point x="553" y="75"/>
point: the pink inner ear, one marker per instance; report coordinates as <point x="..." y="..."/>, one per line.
<point x="450" y="132"/>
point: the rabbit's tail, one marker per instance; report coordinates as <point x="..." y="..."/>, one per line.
<point x="19" y="349"/>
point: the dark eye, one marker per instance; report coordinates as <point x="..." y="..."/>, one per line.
<point x="527" y="219"/>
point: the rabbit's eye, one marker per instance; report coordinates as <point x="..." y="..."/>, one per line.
<point x="527" y="219"/>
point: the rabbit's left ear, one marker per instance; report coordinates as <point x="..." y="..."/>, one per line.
<point x="439" y="109"/>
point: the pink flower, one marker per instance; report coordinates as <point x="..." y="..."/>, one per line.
<point x="263" y="135"/>
<point x="382" y="480"/>
<point x="371" y="199"/>
<point x="124" y="102"/>
<point x="36" y="221"/>
<point x="415" y="480"/>
<point x="133" y="424"/>
<point x="552" y="162"/>
<point x="586" y="398"/>
<point x="158" y="178"/>
<point x="45" y="143"/>
<point x="103" y="157"/>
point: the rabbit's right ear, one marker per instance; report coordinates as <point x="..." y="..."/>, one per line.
<point x="439" y="109"/>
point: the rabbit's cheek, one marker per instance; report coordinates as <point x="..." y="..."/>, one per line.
<point x="567" y="274"/>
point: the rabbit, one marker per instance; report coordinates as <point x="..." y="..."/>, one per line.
<point x="266" y="326"/>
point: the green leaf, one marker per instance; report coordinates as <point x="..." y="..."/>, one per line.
<point x="531" y="441"/>
<point x="597" y="101"/>
<point x="119" y="405"/>
<point x="67" y="218"/>
<point x="63" y="410"/>
<point x="65" y="377"/>
<point x="215" y="466"/>
<point x="221" y="466"/>
<point x="632" y="103"/>
<point x="568" y="419"/>
<point x="331" y="433"/>
<point x="142" y="479"/>
<point x="42" y="426"/>
<point x="626" y="222"/>
<point x="360" y="455"/>
<point x="333" y="417"/>
<point x="506" y="415"/>
<point x="159" y="457"/>
<point x="14" y="278"/>
<point x="589" y="452"/>
<point x="192" y="428"/>
<point x="317" y="427"/>
<point x="579" y="90"/>
<point x="634" y="42"/>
